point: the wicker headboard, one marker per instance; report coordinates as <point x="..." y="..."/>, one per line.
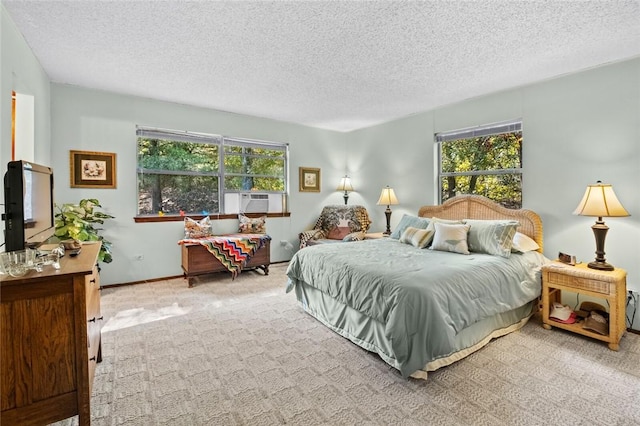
<point x="477" y="207"/>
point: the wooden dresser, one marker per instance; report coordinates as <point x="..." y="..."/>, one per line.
<point x="50" y="326"/>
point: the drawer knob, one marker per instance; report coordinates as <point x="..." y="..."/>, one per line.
<point x="101" y="318"/>
<point x="93" y="281"/>
<point x="93" y="358"/>
<point x="92" y="319"/>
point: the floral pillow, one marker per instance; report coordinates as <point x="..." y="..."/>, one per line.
<point x="197" y="229"/>
<point x="250" y="225"/>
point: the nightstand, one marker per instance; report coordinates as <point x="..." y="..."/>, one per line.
<point x="608" y="285"/>
<point x="375" y="235"/>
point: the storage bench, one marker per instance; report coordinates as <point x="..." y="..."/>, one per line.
<point x="197" y="259"/>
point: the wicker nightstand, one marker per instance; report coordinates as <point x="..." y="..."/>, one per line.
<point x="608" y="285"/>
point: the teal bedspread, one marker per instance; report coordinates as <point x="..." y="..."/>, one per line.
<point x="423" y="297"/>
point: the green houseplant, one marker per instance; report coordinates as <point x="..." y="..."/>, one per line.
<point x="77" y="221"/>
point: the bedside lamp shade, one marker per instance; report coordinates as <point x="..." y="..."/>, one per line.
<point x="388" y="198"/>
<point x="345" y="185"/>
<point x="600" y="201"/>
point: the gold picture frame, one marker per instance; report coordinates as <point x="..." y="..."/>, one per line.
<point x="309" y="179"/>
<point x="92" y="169"/>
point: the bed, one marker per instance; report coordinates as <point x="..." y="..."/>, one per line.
<point x="418" y="308"/>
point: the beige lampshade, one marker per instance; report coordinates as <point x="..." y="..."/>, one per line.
<point x="345" y="184"/>
<point x="599" y="200"/>
<point x="387" y="197"/>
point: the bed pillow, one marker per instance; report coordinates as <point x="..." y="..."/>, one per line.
<point x="407" y="221"/>
<point x="523" y="243"/>
<point x="250" y="225"/>
<point x="494" y="237"/>
<point x="450" y="237"/>
<point x="416" y="237"/>
<point x="197" y="228"/>
<point x="434" y="219"/>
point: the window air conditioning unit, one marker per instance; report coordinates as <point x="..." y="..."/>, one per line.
<point x="253" y="202"/>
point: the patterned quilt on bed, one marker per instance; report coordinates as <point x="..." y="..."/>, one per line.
<point x="232" y="250"/>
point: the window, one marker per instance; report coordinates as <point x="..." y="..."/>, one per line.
<point x="192" y="173"/>
<point x="484" y="160"/>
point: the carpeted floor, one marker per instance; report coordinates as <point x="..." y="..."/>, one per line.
<point x="243" y="353"/>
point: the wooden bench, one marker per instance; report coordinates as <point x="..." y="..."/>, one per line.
<point x="196" y="260"/>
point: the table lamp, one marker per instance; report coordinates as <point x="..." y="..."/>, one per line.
<point x="600" y="201"/>
<point x="345" y="185"/>
<point x="388" y="198"/>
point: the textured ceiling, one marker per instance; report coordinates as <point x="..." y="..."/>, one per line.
<point x="328" y="64"/>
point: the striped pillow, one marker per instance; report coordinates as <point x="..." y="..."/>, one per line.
<point x="416" y="237"/>
<point x="407" y="221"/>
<point x="493" y="237"/>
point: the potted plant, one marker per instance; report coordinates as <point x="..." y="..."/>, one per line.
<point x="77" y="221"/>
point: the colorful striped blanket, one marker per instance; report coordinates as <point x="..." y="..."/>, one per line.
<point x="232" y="250"/>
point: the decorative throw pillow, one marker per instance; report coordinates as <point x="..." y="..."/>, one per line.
<point x="339" y="233"/>
<point x="250" y="225"/>
<point x="416" y="237"/>
<point x="354" y="236"/>
<point x="523" y="243"/>
<point x="493" y="237"/>
<point x="197" y="229"/>
<point x="451" y="237"/>
<point x="433" y="221"/>
<point x="407" y="221"/>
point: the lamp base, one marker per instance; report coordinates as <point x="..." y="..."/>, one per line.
<point x="602" y="266"/>
<point x="387" y="213"/>
<point x="600" y="233"/>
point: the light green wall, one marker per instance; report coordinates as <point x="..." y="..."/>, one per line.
<point x="20" y="71"/>
<point x="577" y="129"/>
<point x="91" y="120"/>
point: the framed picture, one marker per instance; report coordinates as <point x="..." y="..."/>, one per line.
<point x="309" y="179"/>
<point x="92" y="169"/>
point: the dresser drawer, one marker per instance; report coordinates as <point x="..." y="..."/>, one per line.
<point x="94" y="322"/>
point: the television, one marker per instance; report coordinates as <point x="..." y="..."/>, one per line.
<point x="29" y="209"/>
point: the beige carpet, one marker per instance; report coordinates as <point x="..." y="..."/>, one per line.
<point x="243" y="353"/>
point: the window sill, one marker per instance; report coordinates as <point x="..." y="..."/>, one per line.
<point x="178" y="218"/>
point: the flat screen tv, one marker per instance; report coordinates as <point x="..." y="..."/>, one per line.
<point x="29" y="208"/>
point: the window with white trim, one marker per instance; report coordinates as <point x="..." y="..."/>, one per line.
<point x="194" y="173"/>
<point x="484" y="160"/>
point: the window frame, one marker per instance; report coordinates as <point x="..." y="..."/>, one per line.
<point x="511" y="126"/>
<point x="221" y="142"/>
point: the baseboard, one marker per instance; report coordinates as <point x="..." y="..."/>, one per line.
<point x="143" y="281"/>
<point x="165" y="278"/>
<point x="631" y="330"/>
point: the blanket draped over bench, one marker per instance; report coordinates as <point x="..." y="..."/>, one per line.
<point x="232" y="250"/>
